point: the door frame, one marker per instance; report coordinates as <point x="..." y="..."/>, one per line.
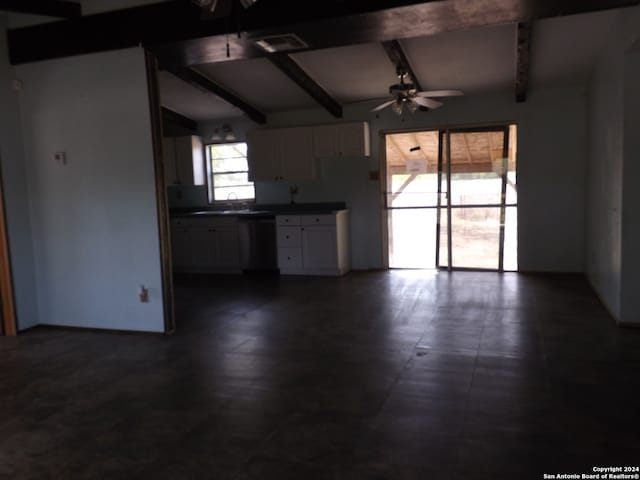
<point x="8" y="315"/>
<point x="445" y="135"/>
<point x="442" y="129"/>
<point x="162" y="203"/>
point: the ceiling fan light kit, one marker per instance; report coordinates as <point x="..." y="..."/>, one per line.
<point x="406" y="95"/>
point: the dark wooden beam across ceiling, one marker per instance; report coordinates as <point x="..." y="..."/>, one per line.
<point x="396" y="55"/>
<point x="169" y="116"/>
<point x="47" y="8"/>
<point x="292" y="70"/>
<point x="523" y="60"/>
<point x="196" y="79"/>
<point x="176" y="33"/>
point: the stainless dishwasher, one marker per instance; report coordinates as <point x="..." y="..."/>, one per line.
<point x="258" y="251"/>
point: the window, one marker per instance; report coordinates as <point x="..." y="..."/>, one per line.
<point x="228" y="173"/>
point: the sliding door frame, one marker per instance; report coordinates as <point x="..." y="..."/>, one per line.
<point x="504" y="128"/>
<point x="445" y="137"/>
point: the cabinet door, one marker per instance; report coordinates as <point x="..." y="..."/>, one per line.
<point x="203" y="246"/>
<point x="227" y="249"/>
<point x="325" y="141"/>
<point x="181" y="251"/>
<point x="184" y="160"/>
<point x="298" y="159"/>
<point x="264" y="150"/>
<point x="169" y="156"/>
<point x="288" y="237"/>
<point x="353" y="139"/>
<point x="319" y="248"/>
<point x="290" y="258"/>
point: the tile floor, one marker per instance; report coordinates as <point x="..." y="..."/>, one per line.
<point x="383" y="375"/>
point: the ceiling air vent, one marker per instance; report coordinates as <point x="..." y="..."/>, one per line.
<point x="281" y="43"/>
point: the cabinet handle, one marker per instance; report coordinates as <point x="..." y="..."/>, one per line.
<point x="317" y="219"/>
<point x="302" y="229"/>
<point x="288" y="258"/>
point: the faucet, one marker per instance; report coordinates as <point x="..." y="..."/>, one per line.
<point x="230" y="201"/>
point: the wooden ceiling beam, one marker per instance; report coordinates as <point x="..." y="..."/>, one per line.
<point x="199" y="81"/>
<point x="47" y="8"/>
<point x="178" y="36"/>
<point x="523" y="60"/>
<point x="169" y="116"/>
<point x="292" y="70"/>
<point x="396" y="55"/>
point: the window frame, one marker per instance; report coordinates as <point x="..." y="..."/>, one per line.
<point x="211" y="176"/>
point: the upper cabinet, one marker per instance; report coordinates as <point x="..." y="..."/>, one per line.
<point x="341" y="140"/>
<point x="298" y="162"/>
<point x="183" y="160"/>
<point x="281" y="154"/>
<point x="264" y="149"/>
<point x="290" y="153"/>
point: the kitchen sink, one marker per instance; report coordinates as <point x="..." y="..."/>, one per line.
<point x="244" y="211"/>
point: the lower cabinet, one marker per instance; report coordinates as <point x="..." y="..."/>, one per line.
<point x="314" y="244"/>
<point x="205" y="245"/>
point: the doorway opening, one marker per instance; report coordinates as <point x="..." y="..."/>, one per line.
<point x="451" y="198"/>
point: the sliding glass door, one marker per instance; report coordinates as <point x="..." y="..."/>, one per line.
<point x="452" y="199"/>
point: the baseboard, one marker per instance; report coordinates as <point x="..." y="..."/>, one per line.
<point x="45" y="326"/>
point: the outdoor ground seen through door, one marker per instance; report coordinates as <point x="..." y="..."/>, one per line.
<point x="456" y="208"/>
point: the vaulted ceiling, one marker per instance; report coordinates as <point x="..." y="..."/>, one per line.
<point x="476" y="61"/>
<point x="209" y="72"/>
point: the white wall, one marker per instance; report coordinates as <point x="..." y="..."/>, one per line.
<point x="551" y="165"/>
<point x="604" y="184"/>
<point x="15" y="191"/>
<point x="612" y="195"/>
<point x="630" y="306"/>
<point x="94" y="221"/>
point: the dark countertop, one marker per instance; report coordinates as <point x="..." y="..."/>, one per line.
<point x="260" y="210"/>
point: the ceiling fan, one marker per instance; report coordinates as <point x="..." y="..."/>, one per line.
<point x="405" y="95"/>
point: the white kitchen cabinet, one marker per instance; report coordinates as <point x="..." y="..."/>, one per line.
<point x="181" y="252"/>
<point x="264" y="149"/>
<point x="325" y="141"/>
<point x="297" y="160"/>
<point x="183" y="160"/>
<point x="319" y="249"/>
<point x="227" y="248"/>
<point x="313" y="244"/>
<point x="341" y="140"/>
<point x="206" y="244"/>
<point x="281" y="154"/>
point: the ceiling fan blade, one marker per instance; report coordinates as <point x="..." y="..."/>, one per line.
<point x="383" y="105"/>
<point x="440" y="93"/>
<point x="427" y="102"/>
